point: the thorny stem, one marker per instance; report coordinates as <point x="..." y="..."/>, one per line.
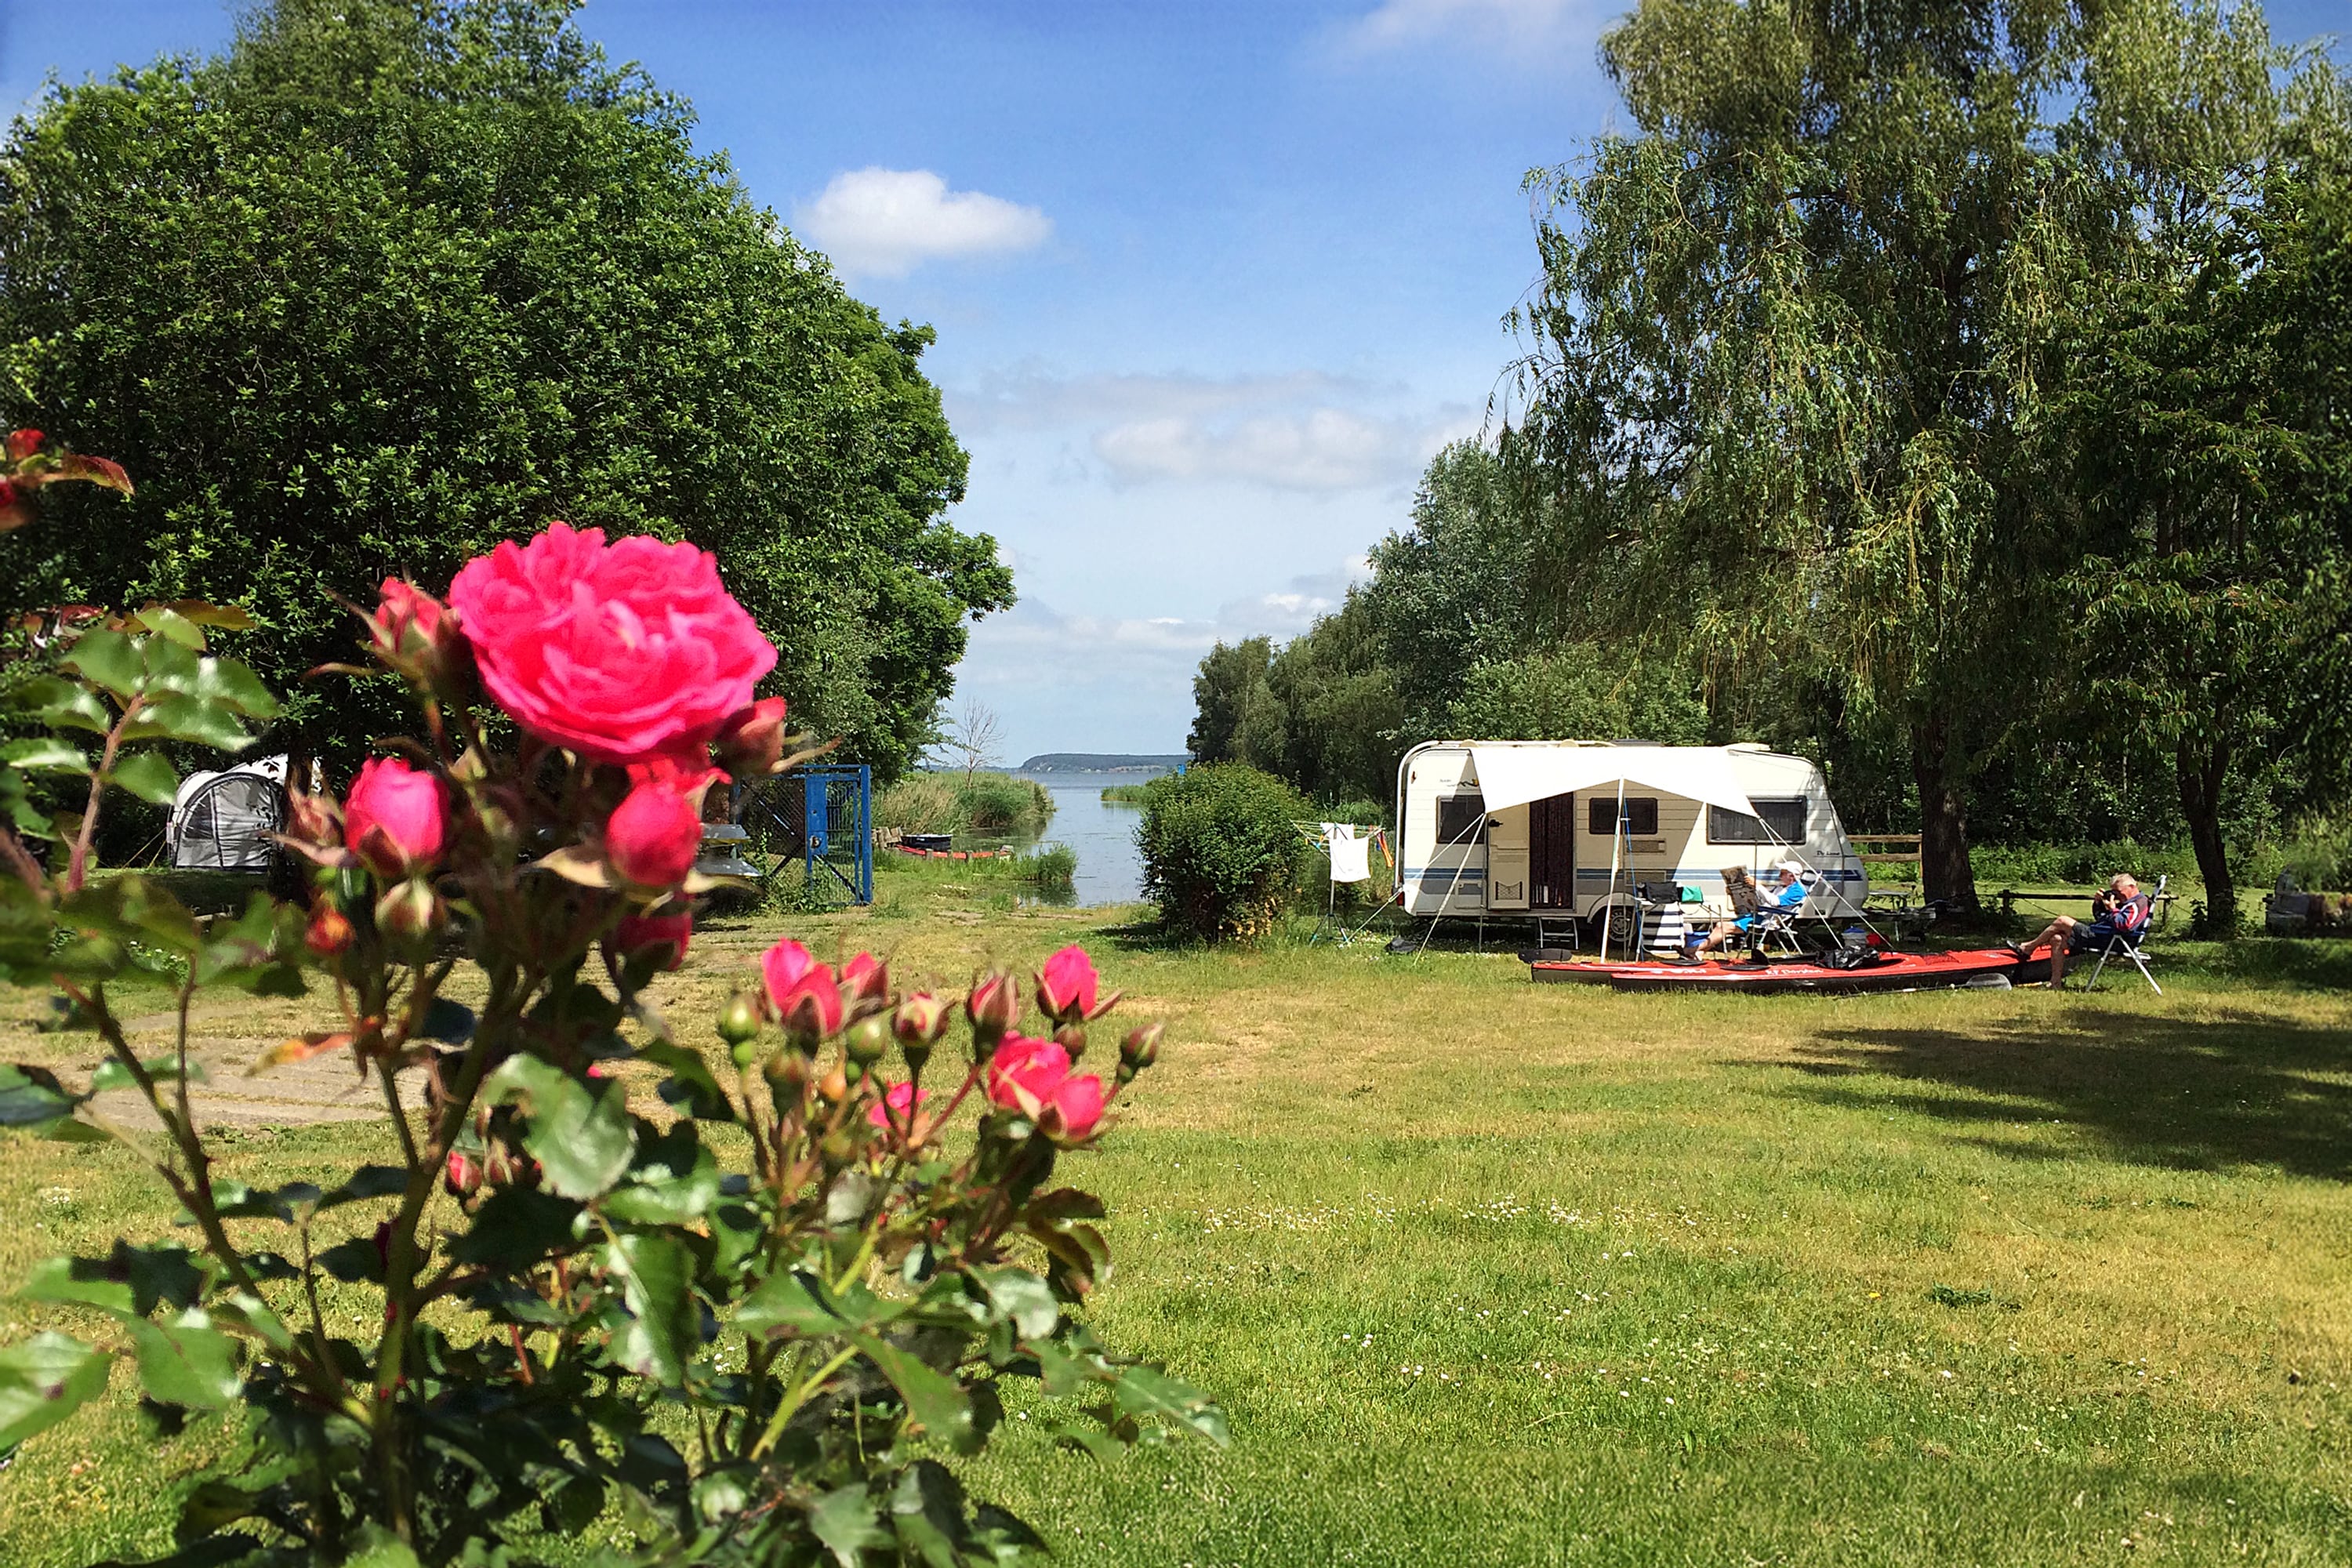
<point x="78" y="867"/>
<point x="799" y="1396"/>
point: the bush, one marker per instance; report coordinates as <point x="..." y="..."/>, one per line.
<point x="1052" y="866"/>
<point x="1221" y="856"/>
<point x="991" y="804"/>
<point x="2079" y="865"/>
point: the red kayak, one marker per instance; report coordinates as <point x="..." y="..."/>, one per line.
<point x="1984" y="966"/>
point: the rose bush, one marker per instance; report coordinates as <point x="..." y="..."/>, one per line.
<point x="759" y="1322"/>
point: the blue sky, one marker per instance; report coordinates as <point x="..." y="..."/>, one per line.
<point x="1212" y="281"/>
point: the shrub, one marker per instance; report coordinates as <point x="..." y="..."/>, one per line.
<point x="762" y="1321"/>
<point x="1052" y="866"/>
<point x="1222" y="857"/>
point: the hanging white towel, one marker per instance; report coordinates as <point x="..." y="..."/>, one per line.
<point x="1351" y="857"/>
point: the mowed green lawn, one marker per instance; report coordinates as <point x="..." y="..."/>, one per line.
<point x="1492" y="1273"/>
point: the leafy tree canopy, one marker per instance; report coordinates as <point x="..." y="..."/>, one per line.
<point x="388" y="282"/>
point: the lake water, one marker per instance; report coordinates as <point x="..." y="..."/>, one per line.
<point x="1109" y="869"/>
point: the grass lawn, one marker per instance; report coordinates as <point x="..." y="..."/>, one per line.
<point x="1492" y="1273"/>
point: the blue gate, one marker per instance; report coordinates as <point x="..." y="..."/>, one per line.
<point x="821" y="817"/>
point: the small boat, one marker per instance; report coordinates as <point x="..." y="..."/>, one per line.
<point x="1888" y="971"/>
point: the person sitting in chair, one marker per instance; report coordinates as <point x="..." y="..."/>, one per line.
<point x="2118" y="910"/>
<point x="1785" y="896"/>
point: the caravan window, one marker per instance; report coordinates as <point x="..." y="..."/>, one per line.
<point x="1640" y="816"/>
<point x="1458" y="816"/>
<point x="1782" y="821"/>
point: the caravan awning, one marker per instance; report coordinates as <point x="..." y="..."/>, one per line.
<point x="1513" y="776"/>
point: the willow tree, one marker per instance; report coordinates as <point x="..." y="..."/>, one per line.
<point x="1798" y="329"/>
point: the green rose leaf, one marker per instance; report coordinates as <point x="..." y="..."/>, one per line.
<point x="230" y="684"/>
<point x="171" y="666"/>
<point x="690" y="1086"/>
<point x="80" y="1281"/>
<point x="44" y="1380"/>
<point x="63" y="704"/>
<point x="1146" y="1391"/>
<point x="927" y="1510"/>
<point x="150" y="775"/>
<point x="177" y="716"/>
<point x="378" y="1548"/>
<point x="31" y="1095"/>
<point x="849" y="1525"/>
<point x="172" y="624"/>
<point x="1021" y="1296"/>
<point x="516" y="1227"/>
<point x="936" y="1401"/>
<point x="187" y="1362"/>
<point x="664" y="1326"/>
<point x="581" y="1139"/>
<point x="113" y="1074"/>
<point x="797" y="1299"/>
<point x="110" y="658"/>
<point x="44" y="755"/>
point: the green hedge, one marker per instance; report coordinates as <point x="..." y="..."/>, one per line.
<point x="1220" y="855"/>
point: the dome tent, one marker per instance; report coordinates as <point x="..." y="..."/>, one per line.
<point x="226" y="821"/>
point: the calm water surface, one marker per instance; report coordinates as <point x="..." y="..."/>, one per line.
<point x="1109" y="869"/>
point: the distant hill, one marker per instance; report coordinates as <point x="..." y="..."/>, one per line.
<point x="1102" y="763"/>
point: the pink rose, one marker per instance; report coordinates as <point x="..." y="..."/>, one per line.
<point x="395" y="818"/>
<point x="801" y="990"/>
<point x="1025" y="1073"/>
<point x="637" y="932"/>
<point x="1075" y="1110"/>
<point x="653" y="836"/>
<point x="1067" y="987"/>
<point x="752" y="742"/>
<point x="614" y="651"/>
<point x="902" y="1099"/>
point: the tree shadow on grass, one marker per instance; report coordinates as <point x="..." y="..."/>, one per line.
<point x="2243" y="1089"/>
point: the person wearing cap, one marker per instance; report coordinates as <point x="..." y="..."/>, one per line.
<point x="1784" y="895"/>
<point x="2121" y="911"/>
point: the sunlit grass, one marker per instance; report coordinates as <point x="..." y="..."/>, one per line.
<point x="1489" y="1273"/>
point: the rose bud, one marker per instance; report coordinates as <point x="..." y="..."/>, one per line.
<point x="409" y="910"/>
<point x="1139" y="1050"/>
<point x="740" y="1024"/>
<point x="865" y="1041"/>
<point x="866" y="977"/>
<point x="1074" y="1111"/>
<point x="1071" y="1038"/>
<point x="788" y="1074"/>
<point x="752" y="742"/>
<point x="314" y="819"/>
<point x="918" y="1022"/>
<point x="834" y="1086"/>
<point x="899" y="1106"/>
<point x="395" y="818"/>
<point x="802" y="994"/>
<point x="414" y="633"/>
<point x="653" y="836"/>
<point x="839" y="1148"/>
<point x="23" y="444"/>
<point x="993" y="1006"/>
<point x="461" y="1177"/>
<point x="641" y="933"/>
<point x="1066" y="985"/>
<point x="330" y="931"/>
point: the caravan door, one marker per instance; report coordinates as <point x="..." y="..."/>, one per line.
<point x="1551" y="853"/>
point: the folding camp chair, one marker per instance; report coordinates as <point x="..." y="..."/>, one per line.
<point x="2131" y="944"/>
<point x="1774" y="934"/>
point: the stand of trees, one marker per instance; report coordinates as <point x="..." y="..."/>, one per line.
<point x="389" y="281"/>
<point x="1960" y="394"/>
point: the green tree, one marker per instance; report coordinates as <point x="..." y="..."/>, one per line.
<point x="1798" y="331"/>
<point x="388" y="282"/>
<point x="2216" y="469"/>
<point x="1574" y="695"/>
<point x="1230" y="687"/>
<point x="1338" y="734"/>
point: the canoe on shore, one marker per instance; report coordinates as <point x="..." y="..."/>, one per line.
<point x="1984" y="966"/>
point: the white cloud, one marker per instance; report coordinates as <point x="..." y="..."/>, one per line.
<point x="1303" y="431"/>
<point x="882" y="223"/>
<point x="1518" y="25"/>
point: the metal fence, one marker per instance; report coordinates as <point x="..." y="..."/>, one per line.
<point x="820" y="819"/>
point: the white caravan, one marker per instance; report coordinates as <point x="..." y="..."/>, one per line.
<point x="1531" y="828"/>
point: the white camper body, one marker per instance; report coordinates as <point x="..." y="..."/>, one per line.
<point x="1554" y="854"/>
